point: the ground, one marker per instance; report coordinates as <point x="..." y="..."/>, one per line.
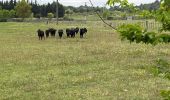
<point x="98" y="67"/>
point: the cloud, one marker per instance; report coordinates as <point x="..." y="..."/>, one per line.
<point x="98" y="2"/>
<point x="95" y="2"/>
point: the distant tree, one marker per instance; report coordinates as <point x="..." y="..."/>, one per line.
<point x="146" y="14"/>
<point x="23" y="9"/>
<point x="50" y="16"/>
<point x="69" y="11"/>
<point x="6" y="14"/>
<point x="1" y="14"/>
<point x="12" y="13"/>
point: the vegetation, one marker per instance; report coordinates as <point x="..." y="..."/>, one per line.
<point x="23" y="9"/>
<point x="164" y="15"/>
<point x="134" y="33"/>
<point x="100" y="66"/>
<point x="38" y="10"/>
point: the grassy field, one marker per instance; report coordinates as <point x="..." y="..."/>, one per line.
<point x="98" y="67"/>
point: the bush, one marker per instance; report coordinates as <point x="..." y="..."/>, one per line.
<point x="165" y="38"/>
<point x="134" y="33"/>
<point x="3" y="20"/>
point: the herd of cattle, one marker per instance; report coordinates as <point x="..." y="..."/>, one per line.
<point x="70" y="32"/>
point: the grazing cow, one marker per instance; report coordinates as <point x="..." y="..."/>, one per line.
<point x="40" y="34"/>
<point x="60" y="33"/>
<point x="82" y="32"/>
<point x="52" y="31"/>
<point x="47" y="32"/>
<point x="68" y="32"/>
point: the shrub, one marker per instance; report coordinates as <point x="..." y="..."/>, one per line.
<point x="3" y="20"/>
<point x="165" y="38"/>
<point x="134" y="33"/>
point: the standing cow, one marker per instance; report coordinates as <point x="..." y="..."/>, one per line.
<point x="72" y="32"/>
<point x="60" y="33"/>
<point x="52" y="31"/>
<point x="82" y="32"/>
<point x="68" y="32"/>
<point x="40" y="34"/>
<point x="47" y="33"/>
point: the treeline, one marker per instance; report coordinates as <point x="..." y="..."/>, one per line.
<point x="43" y="10"/>
<point x="37" y="10"/>
<point x="150" y="7"/>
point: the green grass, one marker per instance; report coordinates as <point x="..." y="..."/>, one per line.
<point x="98" y="67"/>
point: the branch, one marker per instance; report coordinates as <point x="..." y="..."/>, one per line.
<point x="101" y="17"/>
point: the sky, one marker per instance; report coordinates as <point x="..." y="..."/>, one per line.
<point x="77" y="3"/>
<point x="96" y="2"/>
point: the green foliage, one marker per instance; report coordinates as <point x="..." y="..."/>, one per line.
<point x="23" y="9"/>
<point x="134" y="33"/>
<point x="130" y="32"/>
<point x="163" y="15"/>
<point x="146" y="14"/>
<point x="69" y="11"/>
<point x="149" y="37"/>
<point x="120" y="2"/>
<point x="165" y="94"/>
<point x="162" y="68"/>
<point x="12" y="13"/>
<point x="165" y="38"/>
<point x="1" y="13"/>
<point x="5" y="14"/>
<point x="50" y="15"/>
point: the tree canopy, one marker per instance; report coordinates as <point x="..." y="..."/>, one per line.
<point x="23" y="9"/>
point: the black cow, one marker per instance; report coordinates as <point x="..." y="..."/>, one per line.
<point x="72" y="32"/>
<point x="47" y="32"/>
<point x="82" y="32"/>
<point x="40" y="34"/>
<point x="76" y="30"/>
<point x="60" y="33"/>
<point x="68" y="32"/>
<point x="52" y="31"/>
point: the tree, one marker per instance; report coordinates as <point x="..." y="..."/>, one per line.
<point x="146" y="14"/>
<point x="23" y="9"/>
<point x="1" y="14"/>
<point x="122" y="3"/>
<point x="50" y="16"/>
<point x="164" y="15"/>
<point x="5" y="14"/>
<point x="12" y="13"/>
